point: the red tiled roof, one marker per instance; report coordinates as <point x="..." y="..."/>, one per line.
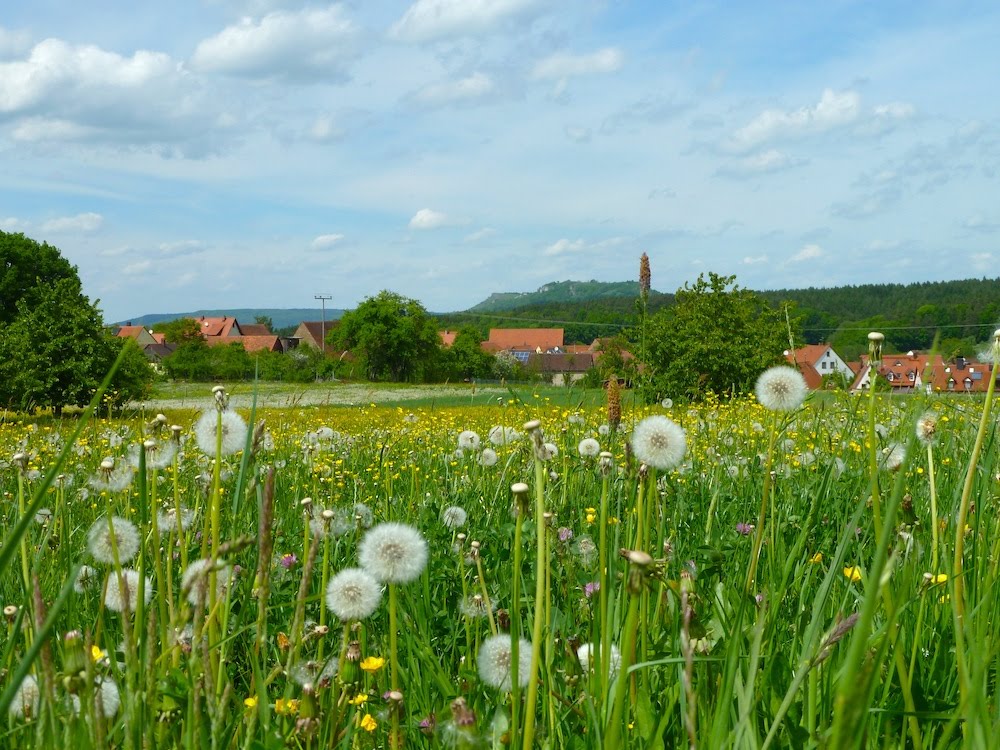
<point x="223" y="326"/>
<point x="524" y="339"/>
<point x="251" y="343"/>
<point x="255" y="329"/>
<point x="561" y="362"/>
<point x="130" y="332"/>
<point x="447" y="337"/>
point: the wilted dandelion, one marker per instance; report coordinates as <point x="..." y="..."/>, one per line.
<point x="495" y="658"/>
<point x="121" y="594"/>
<point x="353" y="594"/>
<point x="588" y="448"/>
<point x="234" y="432"/>
<point x="659" y="442"/>
<point x="363" y="515"/>
<point x="111" y="477"/>
<point x="159" y="454"/>
<point x="475" y="607"/>
<point x="781" y="388"/>
<point x="468" y="440"/>
<point x="393" y="552"/>
<point x="586" y="550"/>
<point x="102" y="539"/>
<point x="927" y="427"/>
<point x="454" y="517"/>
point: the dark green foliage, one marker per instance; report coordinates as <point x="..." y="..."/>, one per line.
<point x="56" y="352"/>
<point x="180" y="331"/>
<point x="26" y="268"/>
<point x="197" y="361"/>
<point x="559" y="293"/>
<point x="716" y="337"/>
<point x="393" y="337"/>
<point x="465" y="358"/>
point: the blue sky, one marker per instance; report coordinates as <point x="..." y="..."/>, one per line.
<point x="237" y="153"/>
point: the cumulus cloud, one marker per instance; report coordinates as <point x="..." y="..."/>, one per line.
<point x="427" y="20"/>
<point x="313" y="42"/>
<point x="834" y="109"/>
<point x="464" y="90"/>
<point x="750" y="261"/>
<point x="325" y="241"/>
<point x="182" y="247"/>
<point x="81" y="223"/>
<point x="559" y="247"/>
<point x="11" y="224"/>
<point x="426" y="218"/>
<point x="564" y="65"/>
<point x="62" y="92"/>
<point x="808" y="252"/>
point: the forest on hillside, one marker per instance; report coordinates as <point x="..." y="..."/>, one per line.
<point x="962" y="314"/>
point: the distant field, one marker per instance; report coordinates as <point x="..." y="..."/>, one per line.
<point x="289" y="395"/>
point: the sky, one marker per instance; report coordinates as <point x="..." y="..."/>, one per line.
<point x="256" y="153"/>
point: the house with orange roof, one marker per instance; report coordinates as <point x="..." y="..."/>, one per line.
<point x="906" y="373"/>
<point x="139" y="334"/>
<point x="252" y="344"/>
<point x="225" y="326"/>
<point x="522" y="342"/>
<point x="816" y="361"/>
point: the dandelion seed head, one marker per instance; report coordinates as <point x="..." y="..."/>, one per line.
<point x="503" y="435"/>
<point x="353" y="594"/>
<point x="585" y="652"/>
<point x="195" y="581"/>
<point x="781" y="388"/>
<point x="475" y="607"/>
<point x="86" y="579"/>
<point x="25" y="703"/>
<point x="927" y="427"/>
<point x="488" y="457"/>
<point x="454" y="517"/>
<point x="495" y="659"/>
<point x="659" y="442"/>
<point x="103" y="538"/>
<point x="234" y="432"/>
<point x="121" y="594"/>
<point x="468" y="440"/>
<point x="393" y="552"/>
<point x="589" y="447"/>
<point x="167" y="521"/>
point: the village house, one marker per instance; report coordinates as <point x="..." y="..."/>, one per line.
<point x="906" y="373"/>
<point x="523" y="342"/>
<point x="816" y="361"/>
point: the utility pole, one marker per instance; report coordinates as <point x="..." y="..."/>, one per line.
<point x="323" y="298"/>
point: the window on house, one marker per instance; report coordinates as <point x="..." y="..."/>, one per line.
<point x="951" y="384"/>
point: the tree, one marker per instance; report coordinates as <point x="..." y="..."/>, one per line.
<point x="465" y="357"/>
<point x="392" y="335"/>
<point x="57" y="351"/>
<point x="26" y="268"/>
<point x="715" y="338"/>
<point x="264" y="320"/>
<point x="180" y="331"/>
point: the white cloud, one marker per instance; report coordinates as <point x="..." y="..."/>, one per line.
<point x="564" y="246"/>
<point x="808" y="252"/>
<point x="563" y="65"/>
<point x="81" y="223"/>
<point x="427" y="20"/>
<point x="764" y="162"/>
<point x="138" y="268"/>
<point x="12" y="224"/>
<point x="425" y="218"/>
<point x="979" y="223"/>
<point x="182" y="247"/>
<point x="750" y="261"/>
<point x="834" y="109"/>
<point x="325" y="241"/>
<point x="480" y="234"/>
<point x="64" y="93"/>
<point x="983" y="262"/>
<point x="467" y="89"/>
<point x="314" y="42"/>
<point x="325" y="128"/>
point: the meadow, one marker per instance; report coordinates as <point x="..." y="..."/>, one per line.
<point x="521" y="572"/>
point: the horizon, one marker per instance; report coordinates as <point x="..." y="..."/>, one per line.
<point x="203" y="154"/>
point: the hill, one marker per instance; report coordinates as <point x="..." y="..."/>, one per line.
<point x="558" y="292"/>
<point x="281" y="317"/>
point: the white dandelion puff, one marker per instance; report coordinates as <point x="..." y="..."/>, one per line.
<point x="589" y="448"/>
<point x="614" y="662"/>
<point x="659" y="442"/>
<point x="393" y="552"/>
<point x="475" y="607"/>
<point x="234" y="432"/>
<point x="25" y="702"/>
<point x="468" y="440"/>
<point x="86" y="579"/>
<point x="353" y="594"/>
<point x="454" y="517"/>
<point x="363" y="516"/>
<point x="107" y="697"/>
<point x="488" y="457"/>
<point x="197" y="575"/>
<point x="548" y="451"/>
<point x="503" y="435"/>
<point x="121" y="593"/>
<point x="167" y="521"/>
<point x="781" y="388"/>
<point x="893" y="456"/>
<point x="927" y="427"/>
<point x="496" y="657"/>
<point x="103" y="538"/>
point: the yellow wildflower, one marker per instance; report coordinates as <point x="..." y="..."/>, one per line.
<point x="591" y="518"/>
<point x="817" y="558"/>
<point x="372" y="664"/>
<point x="97" y="654"/>
<point x="289" y="707"/>
<point x="931" y="579"/>
<point x="368" y="723"/>
<point x="250" y="702"/>
<point x="358" y="699"/>
<point x="853" y="573"/>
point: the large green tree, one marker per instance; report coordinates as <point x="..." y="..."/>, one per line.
<point x="57" y="351"/>
<point x="393" y="337"/>
<point x="716" y="337"/>
<point x="27" y="268"/>
<point x="465" y="358"/>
